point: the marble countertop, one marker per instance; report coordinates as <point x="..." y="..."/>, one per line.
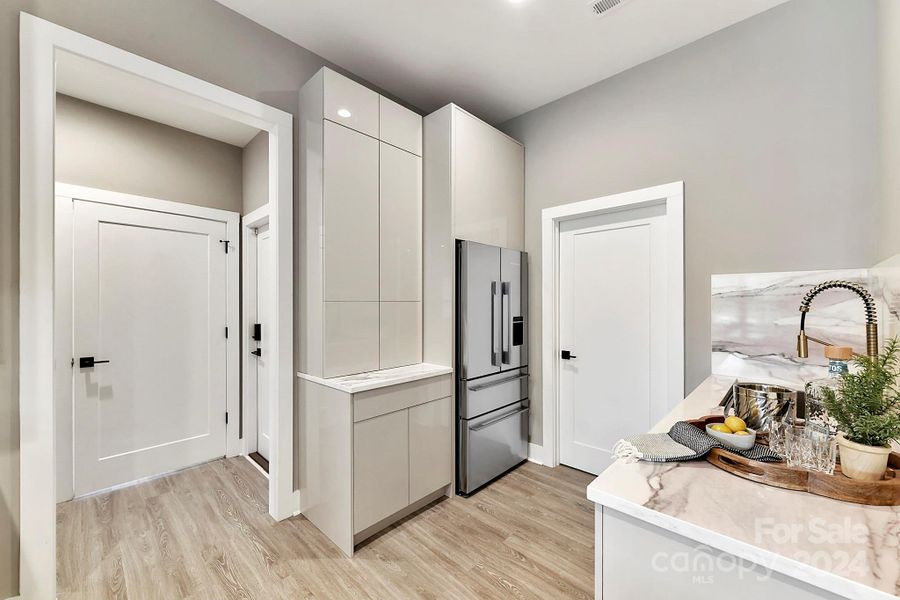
<point x="849" y="549"/>
<point x="362" y="382"/>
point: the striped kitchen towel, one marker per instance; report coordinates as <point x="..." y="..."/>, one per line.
<point x="683" y="442"/>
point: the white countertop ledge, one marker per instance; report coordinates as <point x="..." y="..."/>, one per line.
<point x="714" y="508"/>
<point x="363" y="382"/>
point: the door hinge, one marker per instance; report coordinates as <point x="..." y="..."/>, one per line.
<point x="225" y="243"/>
<point x="72" y="364"/>
<point x="226" y="333"/>
<point x="226" y="418"/>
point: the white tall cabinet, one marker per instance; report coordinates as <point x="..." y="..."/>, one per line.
<point x="360" y="226"/>
<point x="474" y="190"/>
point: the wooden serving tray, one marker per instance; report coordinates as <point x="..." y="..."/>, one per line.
<point x="839" y="487"/>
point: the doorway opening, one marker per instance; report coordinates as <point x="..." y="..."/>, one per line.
<point x="613" y="315"/>
<point x="258" y="292"/>
<point x="55" y="60"/>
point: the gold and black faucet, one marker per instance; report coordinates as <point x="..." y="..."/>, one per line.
<point x="871" y="316"/>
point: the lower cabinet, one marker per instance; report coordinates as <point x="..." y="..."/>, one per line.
<point x="368" y="459"/>
<point x="400" y="458"/>
<point x="380" y="468"/>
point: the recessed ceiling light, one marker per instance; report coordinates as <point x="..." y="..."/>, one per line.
<point x="344" y="113"/>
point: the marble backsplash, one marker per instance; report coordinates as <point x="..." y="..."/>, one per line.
<point x="756" y="317"/>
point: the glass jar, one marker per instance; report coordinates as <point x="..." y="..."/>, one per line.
<point x="817" y="417"/>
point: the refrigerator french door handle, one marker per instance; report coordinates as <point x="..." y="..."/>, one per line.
<point x="495" y="356"/>
<point x="504" y="322"/>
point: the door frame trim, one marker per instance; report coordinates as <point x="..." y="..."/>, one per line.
<point x="64" y="325"/>
<point x="670" y="195"/>
<point x="39" y="43"/>
<point x="249" y="223"/>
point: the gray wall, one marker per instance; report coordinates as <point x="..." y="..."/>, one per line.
<point x="889" y="71"/>
<point x="255" y="167"/>
<point x="772" y="124"/>
<point x="107" y="149"/>
<point x="199" y="37"/>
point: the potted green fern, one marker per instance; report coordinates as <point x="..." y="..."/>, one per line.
<point x="867" y="410"/>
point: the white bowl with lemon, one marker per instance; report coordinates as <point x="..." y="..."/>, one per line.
<point x="733" y="433"/>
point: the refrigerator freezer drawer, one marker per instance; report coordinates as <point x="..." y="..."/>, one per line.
<point x="491" y="445"/>
<point x="486" y="394"/>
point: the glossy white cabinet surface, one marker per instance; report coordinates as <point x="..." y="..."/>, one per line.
<point x="400" y="126"/>
<point x="351" y="104"/>
<point x="474" y="179"/>
<point x="371" y="458"/>
<point x="360" y="222"/>
<point x="350" y="228"/>
<point x="401" y="334"/>
<point x="488" y="184"/>
<point x="350" y="338"/>
<point x="401" y="225"/>
<point x="380" y="468"/>
<point x="430" y="462"/>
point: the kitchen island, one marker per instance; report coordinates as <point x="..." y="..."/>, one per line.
<point x="692" y="531"/>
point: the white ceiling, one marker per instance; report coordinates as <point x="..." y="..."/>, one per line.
<point x="107" y="86"/>
<point x="496" y="58"/>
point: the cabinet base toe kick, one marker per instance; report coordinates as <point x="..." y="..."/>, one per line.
<point x="369" y="532"/>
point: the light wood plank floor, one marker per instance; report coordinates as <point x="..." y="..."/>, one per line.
<point x="205" y="533"/>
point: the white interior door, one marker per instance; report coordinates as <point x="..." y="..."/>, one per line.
<point x="264" y="306"/>
<point x="149" y="295"/>
<point x="613" y="322"/>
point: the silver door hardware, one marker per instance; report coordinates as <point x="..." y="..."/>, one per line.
<point x="494" y="354"/>
<point x="484" y="386"/>
<point x="504" y="322"/>
<point x="498" y="419"/>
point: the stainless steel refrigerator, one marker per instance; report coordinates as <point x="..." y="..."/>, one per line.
<point x="491" y="362"/>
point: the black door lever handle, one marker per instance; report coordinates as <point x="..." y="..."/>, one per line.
<point x="566" y="355"/>
<point x="86" y="362"/>
<point x="257" y="352"/>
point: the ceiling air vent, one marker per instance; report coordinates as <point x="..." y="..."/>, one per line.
<point x="601" y="7"/>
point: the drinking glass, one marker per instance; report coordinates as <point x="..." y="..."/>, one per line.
<point x="777" y="431"/>
<point x="810" y="449"/>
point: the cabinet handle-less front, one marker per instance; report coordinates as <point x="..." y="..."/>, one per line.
<point x="494" y="354"/>
<point x="498" y="419"/>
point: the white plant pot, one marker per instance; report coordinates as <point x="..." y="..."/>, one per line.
<point x="865" y="463"/>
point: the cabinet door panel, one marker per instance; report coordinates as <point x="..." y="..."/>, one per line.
<point x="488" y="184"/>
<point x="350" y="338"/>
<point x="401" y="127"/>
<point x="350" y="104"/>
<point x="401" y="334"/>
<point x="380" y="468"/>
<point x="350" y="236"/>
<point x="401" y="225"/>
<point x="430" y="447"/>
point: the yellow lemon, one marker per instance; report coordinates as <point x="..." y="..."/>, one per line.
<point x="735" y="424"/>
<point x="720" y="427"/>
<point x="742" y="432"/>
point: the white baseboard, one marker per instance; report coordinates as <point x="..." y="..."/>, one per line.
<point x="536" y="453"/>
